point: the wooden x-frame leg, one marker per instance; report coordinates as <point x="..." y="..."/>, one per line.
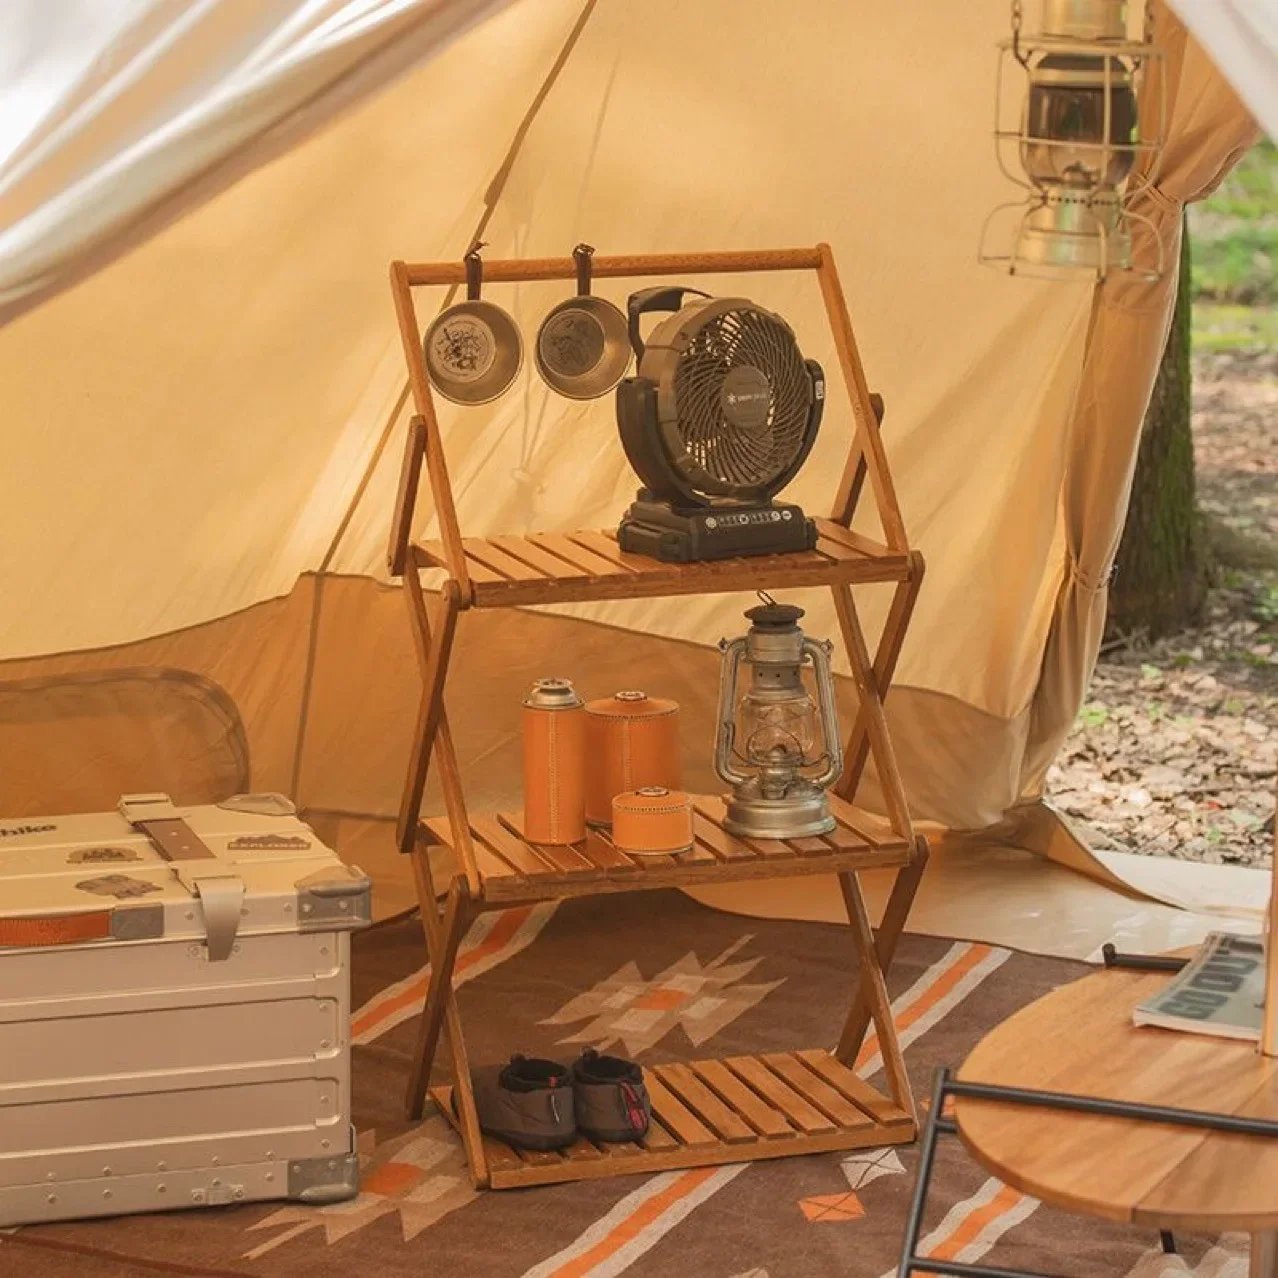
<point x="444" y="932"/>
<point x="857" y="751"/>
<point x="872" y="996"/>
<point x="440" y="1013"/>
<point x="433" y="654"/>
<point x="882" y="953"/>
<point x="869" y="736"/>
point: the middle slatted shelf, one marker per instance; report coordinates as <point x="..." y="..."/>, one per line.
<point x="513" y="868"/>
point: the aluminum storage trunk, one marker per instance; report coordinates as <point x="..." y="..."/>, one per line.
<point x="174" y="1010"/>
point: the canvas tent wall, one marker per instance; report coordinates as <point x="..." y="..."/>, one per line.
<point x="202" y="437"/>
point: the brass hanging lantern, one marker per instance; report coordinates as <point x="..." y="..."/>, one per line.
<point x="1087" y="137"/>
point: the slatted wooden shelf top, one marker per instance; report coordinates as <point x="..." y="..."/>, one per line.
<point x="704" y="1112"/>
<point x="538" y="568"/>
<point x="708" y="1111"/>
<point x="513" y="869"/>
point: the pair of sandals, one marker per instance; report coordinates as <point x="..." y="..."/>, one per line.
<point x="538" y="1104"/>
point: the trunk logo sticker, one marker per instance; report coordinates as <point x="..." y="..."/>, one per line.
<point x="81" y="855"/>
<point x="266" y="842"/>
<point x="119" y="886"/>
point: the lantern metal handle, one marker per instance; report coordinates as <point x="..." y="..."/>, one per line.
<point x="733" y="650"/>
<point x="820" y="654"/>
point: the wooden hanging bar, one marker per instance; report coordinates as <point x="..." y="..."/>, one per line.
<point x="510" y="270"/>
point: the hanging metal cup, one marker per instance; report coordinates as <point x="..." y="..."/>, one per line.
<point x="473" y="349"/>
<point x="583" y="347"/>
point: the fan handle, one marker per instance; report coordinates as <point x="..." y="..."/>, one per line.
<point x="665" y="297"/>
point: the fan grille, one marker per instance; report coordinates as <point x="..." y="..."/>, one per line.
<point x="733" y="454"/>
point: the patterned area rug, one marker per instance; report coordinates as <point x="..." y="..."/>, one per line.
<point x="656" y="976"/>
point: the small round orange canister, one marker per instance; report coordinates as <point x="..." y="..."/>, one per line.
<point x="632" y="741"/>
<point x="554" y="728"/>
<point x="652" y="821"/>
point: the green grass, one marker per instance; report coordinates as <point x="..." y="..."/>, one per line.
<point x="1234" y="236"/>
<point x="1251" y="190"/>
<point x="1226" y="327"/>
<point x="1239" y="266"/>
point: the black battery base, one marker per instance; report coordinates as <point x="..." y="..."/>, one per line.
<point x="663" y="531"/>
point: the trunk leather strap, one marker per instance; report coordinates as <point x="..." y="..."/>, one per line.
<point x="175" y="840"/>
<point x="221" y="895"/>
<point x="158" y="819"/>
<point x="55" y="929"/>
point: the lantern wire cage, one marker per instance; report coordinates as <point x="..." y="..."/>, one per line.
<point x="998" y="229"/>
<point x="1079" y="219"/>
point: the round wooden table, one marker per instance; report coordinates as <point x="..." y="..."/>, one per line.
<point x="1080" y="1039"/>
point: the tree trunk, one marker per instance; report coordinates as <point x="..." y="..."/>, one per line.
<point x="1164" y="562"/>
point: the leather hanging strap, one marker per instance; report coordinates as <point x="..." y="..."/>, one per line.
<point x="583" y="256"/>
<point x="474" y="271"/>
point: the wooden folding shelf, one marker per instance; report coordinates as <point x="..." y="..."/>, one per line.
<point x="733" y="1110"/>
<point x="706" y="1111"/>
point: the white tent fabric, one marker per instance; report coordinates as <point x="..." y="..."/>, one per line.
<point x="191" y="421"/>
<point x="1242" y="38"/>
<point x="115" y="119"/>
<point x="221" y="410"/>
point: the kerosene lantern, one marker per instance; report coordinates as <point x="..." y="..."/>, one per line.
<point x="1085" y="121"/>
<point x="778" y="748"/>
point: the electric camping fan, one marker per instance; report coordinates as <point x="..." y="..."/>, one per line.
<point x="722" y="413"/>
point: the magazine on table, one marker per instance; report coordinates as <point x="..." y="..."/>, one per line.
<point x="1221" y="991"/>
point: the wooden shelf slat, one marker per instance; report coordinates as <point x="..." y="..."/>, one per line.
<point x="815" y="1089"/>
<point x="540" y="568"/>
<point x="566" y="858"/>
<point x="856" y="1089"/>
<point x="709" y="833"/>
<point x="535" y="556"/>
<point x="695" y="855"/>
<point x="657" y="1138"/>
<point x="757" y="1112"/>
<point x="863" y="825"/>
<point x="729" y="1125"/>
<point x="709" y="1112"/>
<point x="513" y="869"/>
<point x="560" y="544"/>
<point x="598" y="847"/>
<point x="675" y="1116"/>
<point x="479" y="550"/>
<point x="543" y="1157"/>
<point x="812" y="847"/>
<point x="582" y="1151"/>
<point x="797" y="1109"/>
<point x="518" y="854"/>
<point x="606" y="547"/>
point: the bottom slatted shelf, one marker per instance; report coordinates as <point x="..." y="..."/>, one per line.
<point x="736" y="1109"/>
